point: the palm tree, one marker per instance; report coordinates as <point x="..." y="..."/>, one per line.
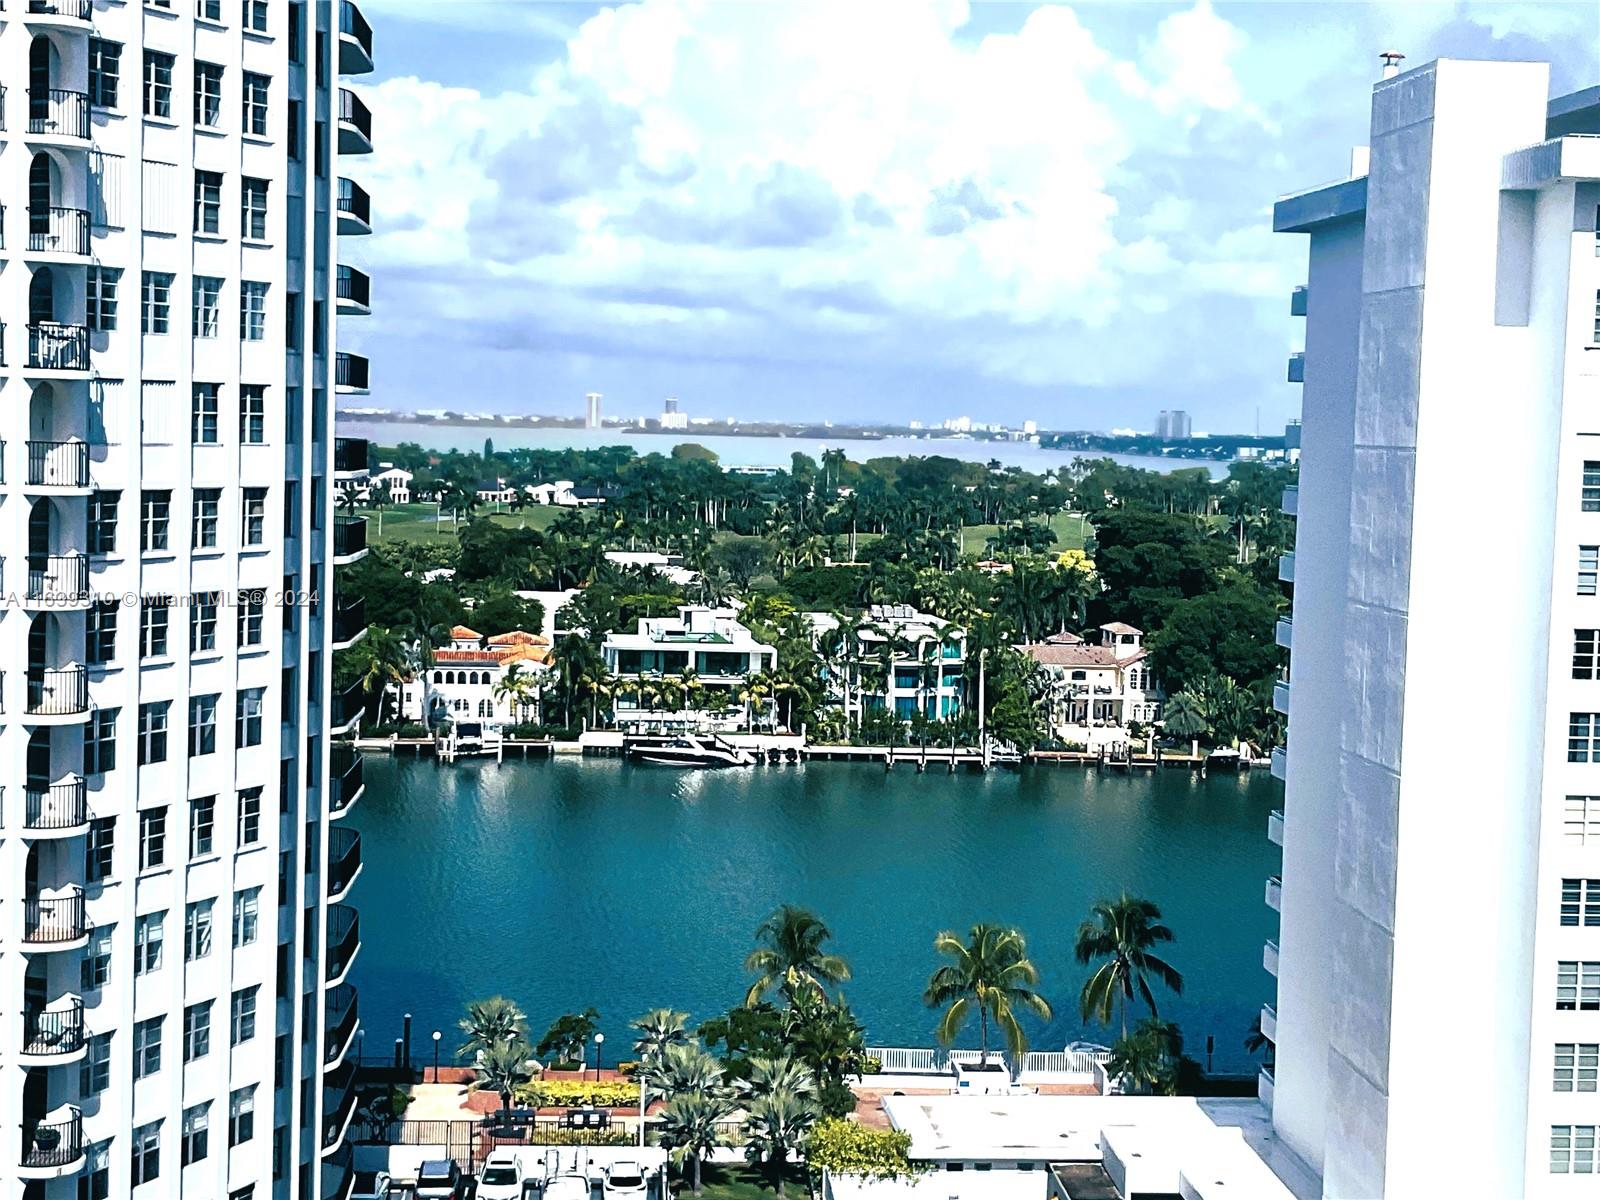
<point x="684" y="1068"/>
<point x="382" y="661"/>
<point x="1121" y="933"/>
<point x="1185" y="717"/>
<point x="990" y="971"/>
<point x="789" y="956"/>
<point x="489" y="1023"/>
<point x="690" y="1127"/>
<point x="502" y="1069"/>
<point x="775" y="1128"/>
<point x="517" y="688"/>
<point x="1146" y="1060"/>
<point x="658" y="1029"/>
<point x="779" y="1074"/>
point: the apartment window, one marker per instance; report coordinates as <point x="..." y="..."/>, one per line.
<point x="209" y="10"/>
<point x="103" y="522"/>
<point x="252" y="608"/>
<point x="253" y="208"/>
<point x="295" y="153"/>
<point x="1577" y="1066"/>
<point x="242" y="1115"/>
<point x="203" y="622"/>
<point x="197" y="922"/>
<point x="246" y="914"/>
<point x="255" y="15"/>
<point x="158" y="84"/>
<point x="152" y="838"/>
<point x="207" y="502"/>
<point x="94" y="1072"/>
<point x="255" y="103"/>
<point x="244" y="1015"/>
<point x="207" y="305"/>
<point x="105" y="72"/>
<point x="154" y="616"/>
<point x="99" y="848"/>
<point x="1583" y="737"/>
<point x="1597" y="318"/>
<point x="100" y="632"/>
<point x="249" y="829"/>
<point x="1580" y="902"/>
<point x="102" y="297"/>
<point x="196" y="1031"/>
<point x="252" y="414"/>
<point x="146" y="1048"/>
<point x="1591" y="486"/>
<point x="153" y="731"/>
<point x="254" y="516"/>
<point x="1580" y="821"/>
<point x="1577" y="986"/>
<point x="291" y="331"/>
<point x="208" y="202"/>
<point x="203" y="414"/>
<point x="202" y="826"/>
<point x="146" y="1153"/>
<point x="155" y="311"/>
<point x="202" y="725"/>
<point x="148" y="934"/>
<point x="297" y="12"/>
<point x="247" y="722"/>
<point x="94" y="972"/>
<point x="207" y="96"/>
<point x="155" y="515"/>
<point x="196" y="1124"/>
<point x="100" y="742"/>
<point x="252" y="311"/>
<point x="1572" y="1149"/>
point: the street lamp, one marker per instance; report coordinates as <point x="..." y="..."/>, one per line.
<point x="599" y="1040"/>
<point x="437" y="1034"/>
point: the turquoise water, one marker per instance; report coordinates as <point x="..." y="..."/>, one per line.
<point x="566" y="884"/>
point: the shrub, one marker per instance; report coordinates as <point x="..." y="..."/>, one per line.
<point x="846" y="1148"/>
<point x="578" y="1093"/>
<point x="412" y="730"/>
<point x="584" y="1137"/>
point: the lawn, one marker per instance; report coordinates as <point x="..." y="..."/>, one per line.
<point x="737" y="1181"/>
<point x="416" y="522"/>
<point x="1070" y="529"/>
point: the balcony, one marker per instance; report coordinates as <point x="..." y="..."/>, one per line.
<point x="1280" y="696"/>
<point x="57" y="692"/>
<point x="344" y="860"/>
<point x="1284" y="633"/>
<point x="53" y="1035"/>
<point x="1275" y="822"/>
<point x="355" y="40"/>
<point x="1297" y="300"/>
<point x="1297" y="367"/>
<point x="58" y="233"/>
<point x="1275" y="893"/>
<point x="1265" y="1085"/>
<point x="1286" y="567"/>
<point x="41" y="12"/>
<point x="58" y="922"/>
<point x="59" y="809"/>
<point x="355" y="208"/>
<point x="54" y="346"/>
<point x="345" y="783"/>
<point x="349" y="454"/>
<point x="58" y="580"/>
<point x="338" y="1174"/>
<point x="354" y="293"/>
<point x="58" y="116"/>
<point x="341" y="1023"/>
<point x="1291" y="500"/>
<point x="1280" y="765"/>
<point x="1269" y="958"/>
<point x="349" y="622"/>
<point x="59" y="465"/>
<point x="52" y="1145"/>
<point x="1269" y="1023"/>
<point x="338" y="1104"/>
<point x="349" y="706"/>
<point x="349" y="539"/>
<point x="355" y="124"/>
<point x="351" y="374"/>
<point x="343" y="944"/>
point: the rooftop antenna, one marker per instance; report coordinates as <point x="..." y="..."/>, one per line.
<point x="1391" y="63"/>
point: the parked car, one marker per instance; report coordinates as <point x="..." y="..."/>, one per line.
<point x="372" y="1185"/>
<point x="501" y="1177"/>
<point x="624" y="1181"/>
<point x="567" y="1187"/>
<point x="439" y="1179"/>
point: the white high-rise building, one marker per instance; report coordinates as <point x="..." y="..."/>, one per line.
<point x="671" y="417"/>
<point x="174" y="1017"/>
<point x="1438" y="1009"/>
<point x="591" y="412"/>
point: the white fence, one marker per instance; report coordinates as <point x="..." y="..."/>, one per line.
<point x="1061" y="1066"/>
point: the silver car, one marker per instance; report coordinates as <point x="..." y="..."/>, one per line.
<point x="624" y="1180"/>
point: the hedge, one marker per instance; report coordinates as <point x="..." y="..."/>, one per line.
<point x="575" y="1093"/>
<point x="846" y="1148"/>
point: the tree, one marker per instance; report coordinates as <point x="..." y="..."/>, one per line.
<point x="843" y="1147"/>
<point x="990" y="971"/>
<point x="1185" y="717"/>
<point x="1121" y="935"/>
<point x="380" y="661"/>
<point x="658" y="1029"/>
<point x="567" y="1039"/>
<point x="775" y="1129"/>
<point x="789" y="956"/>
<point x="780" y="1074"/>
<point x="502" y="1068"/>
<point x="691" y="1128"/>
<point x="685" y="1068"/>
<point x="1226" y="632"/>
<point x="490" y="1023"/>
<point x="1147" y="1059"/>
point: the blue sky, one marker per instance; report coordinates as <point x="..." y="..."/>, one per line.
<point x="871" y="210"/>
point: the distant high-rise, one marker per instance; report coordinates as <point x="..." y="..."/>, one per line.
<point x="1173" y="426"/>
<point x="671" y="418"/>
<point x="591" y="416"/>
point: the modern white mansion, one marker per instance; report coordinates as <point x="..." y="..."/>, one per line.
<point x="176" y="937"/>
<point x="1437" y="1020"/>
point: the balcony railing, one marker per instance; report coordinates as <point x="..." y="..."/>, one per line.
<point x="348" y="705"/>
<point x="349" y="621"/>
<point x="63" y="804"/>
<point x="53" y="346"/>
<point x="349" y="536"/>
<point x="341" y="1020"/>
<point x="53" y="1030"/>
<point x="355" y="287"/>
<point x="344" y="939"/>
<point x="349" y="454"/>
<point x="353" y="112"/>
<point x="353" y="199"/>
<point x="79" y="10"/>
<point x="354" y="26"/>
<point x="58" y="231"/>
<point x="344" y="859"/>
<point x="49" y="920"/>
<point x="58" y="578"/>
<point x="57" y="691"/>
<point x="345" y="781"/>
<point x="2" y="124"/>
<point x="48" y="1144"/>
<point x="338" y="1103"/>
<point x="58" y="464"/>
<point x="56" y="112"/>
<point x="351" y="371"/>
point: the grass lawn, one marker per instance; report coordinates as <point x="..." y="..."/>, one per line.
<point x="737" y="1181"/>
<point x="1070" y="530"/>
<point x="415" y="522"/>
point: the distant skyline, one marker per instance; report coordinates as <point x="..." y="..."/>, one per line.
<point x="865" y="213"/>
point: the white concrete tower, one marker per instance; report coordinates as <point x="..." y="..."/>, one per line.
<point x="1438" y="961"/>
<point x="175" y="936"/>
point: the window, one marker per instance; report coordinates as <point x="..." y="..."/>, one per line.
<point x="146" y="1153"/>
<point x="148" y="934"/>
<point x="207" y="303"/>
<point x="249" y="824"/>
<point x="202" y="826"/>
<point x="246" y="912"/>
<point x="253" y="206"/>
<point x="291" y="336"/>
<point x="99" y="848"/>
<point x="1583" y="737"/>
<point x="203" y="414"/>
<point x="293" y="130"/>
<point x="252" y="311"/>
<point x="100" y="632"/>
<point x="1577" y="986"/>
<point x="95" y="969"/>
<point x="197" y="920"/>
<point x="209" y="10"/>
<point x="158" y="84"/>
<point x="255" y="102"/>
<point x="208" y="201"/>
<point x="244" y="1015"/>
<point x="196" y="1031"/>
<point x="242" y="1115"/>
<point x="1591" y="486"/>
<point x="156" y="309"/>
<point x="207" y="96"/>
<point x="254" y="517"/>
<point x="1580" y="902"/>
<point x="247" y="731"/>
<point x="94" y="1072"/>
<point x="196" y="1121"/>
<point x="153" y="731"/>
<point x="1577" y="1066"/>
<point x="102" y="297"/>
<point x="202" y="725"/>
<point x="252" y="414"/>
<point x="103" y="522"/>
<point x="105" y="71"/>
<point x="154" y="616"/>
<point x="203" y="622"/>
<point x="255" y="15"/>
<point x="152" y="837"/>
<point x="1580" y="821"/>
<point x="147" y="1048"/>
<point x="206" y="503"/>
<point x="1572" y="1149"/>
<point x="155" y="515"/>
<point x="252" y="607"/>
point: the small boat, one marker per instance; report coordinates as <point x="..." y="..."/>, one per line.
<point x="1224" y="759"/>
<point x="692" y="752"/>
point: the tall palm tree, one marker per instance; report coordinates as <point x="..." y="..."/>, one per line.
<point x="775" y="1129"/>
<point x="489" y="1023"/>
<point x="690" y="1128"/>
<point x="382" y="661"/>
<point x="517" y="688"/>
<point x="1147" y="1059"/>
<point x="789" y="956"/>
<point x="685" y="1068"/>
<point x="990" y="971"/>
<point x="780" y="1073"/>
<point x="1121" y="935"/>
<point x="658" y="1029"/>
<point x="502" y="1069"/>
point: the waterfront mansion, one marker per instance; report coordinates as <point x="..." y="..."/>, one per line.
<point x="904" y="660"/>
<point x="693" y="664"/>
<point x="464" y="682"/>
<point x="1097" y="688"/>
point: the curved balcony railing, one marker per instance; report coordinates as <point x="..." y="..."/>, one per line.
<point x="56" y="1030"/>
<point x="351" y="371"/>
<point x="58" y="578"/>
<point x="349" y="706"/>
<point x="339" y="1174"/>
<point x="344" y="782"/>
<point x="341" y="1021"/>
<point x="344" y="859"/>
<point x="349" y="454"/>
<point x="49" y="1143"/>
<point x="58" y="464"/>
<point x="353" y="25"/>
<point x="79" y="10"/>
<point x="349" y="536"/>
<point x="349" y="621"/>
<point x="354" y="201"/>
<point x="58" y="231"/>
<point x="338" y="1103"/>
<point x="355" y="288"/>
<point x="57" y="112"/>
<point x="50" y="920"/>
<point x="63" y="804"/>
<point x="55" y="346"/>
<point x="344" y="939"/>
<point x="353" y="112"/>
<point x="57" y="691"/>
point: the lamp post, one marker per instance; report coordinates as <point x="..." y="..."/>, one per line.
<point x="599" y="1040"/>
<point x="437" y="1034"/>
